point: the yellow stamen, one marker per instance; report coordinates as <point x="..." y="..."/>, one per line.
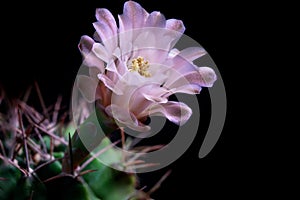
<point x="141" y="66"/>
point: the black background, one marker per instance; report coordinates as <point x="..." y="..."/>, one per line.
<point x="39" y="43"/>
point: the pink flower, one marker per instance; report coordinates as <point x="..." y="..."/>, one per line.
<point x="138" y="67"/>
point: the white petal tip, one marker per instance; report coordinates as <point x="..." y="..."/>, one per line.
<point x="209" y="75"/>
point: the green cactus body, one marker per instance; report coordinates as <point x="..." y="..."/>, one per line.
<point x="46" y="179"/>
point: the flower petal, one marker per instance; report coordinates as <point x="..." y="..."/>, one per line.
<point x="107" y="35"/>
<point x="93" y="72"/>
<point x="90" y="59"/>
<point x="156" y="19"/>
<point x="100" y="51"/>
<point x="156" y="99"/>
<point x="175" y="25"/>
<point x="109" y="84"/>
<point x="104" y="15"/>
<point x="181" y="71"/>
<point x="125" y="118"/>
<point x="176" y="112"/>
<point x="103" y="30"/>
<point x="146" y="95"/>
<point x="208" y="75"/>
<point x="134" y="16"/>
<point x="174" y="52"/>
<point x="125" y="38"/>
<point x="86" y="44"/>
<point x="120" y="114"/>
<point x="154" y="55"/>
<point x="192" y="53"/>
<point x="88" y="88"/>
<point x="106" y="28"/>
<point x="187" y="89"/>
<point x="177" y="80"/>
<point x="176" y="29"/>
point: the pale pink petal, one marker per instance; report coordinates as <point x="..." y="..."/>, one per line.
<point x="117" y="53"/>
<point x="145" y="39"/>
<point x="208" y="75"/>
<point x="88" y="88"/>
<point x="180" y="68"/>
<point x="178" y="80"/>
<point x="110" y="84"/>
<point x="114" y="77"/>
<point x="120" y="114"/>
<point x="176" y="29"/>
<point x="106" y="28"/>
<point x="180" y="64"/>
<point x="176" y="112"/>
<point x="93" y="72"/>
<point x="155" y="38"/>
<point x="97" y="37"/>
<point x="116" y="69"/>
<point x="100" y="51"/>
<point x="173" y="53"/>
<point x="122" y="67"/>
<point x="125" y="39"/>
<point x="175" y="25"/>
<point x="105" y="15"/>
<point x="108" y="37"/>
<point x="103" y="30"/>
<point x="112" y="67"/>
<point x="202" y="76"/>
<point x="156" y="19"/>
<point x="140" y="127"/>
<point x="157" y="99"/>
<point x="145" y="95"/>
<point x="90" y="59"/>
<point x="86" y="44"/>
<point x="187" y="89"/>
<point x="154" y="55"/>
<point x="134" y="16"/>
<point x="192" y="53"/>
<point x="125" y="118"/>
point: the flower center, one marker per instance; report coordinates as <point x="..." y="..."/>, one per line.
<point x="141" y="66"/>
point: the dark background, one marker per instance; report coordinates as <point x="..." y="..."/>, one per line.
<point x="39" y="43"/>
